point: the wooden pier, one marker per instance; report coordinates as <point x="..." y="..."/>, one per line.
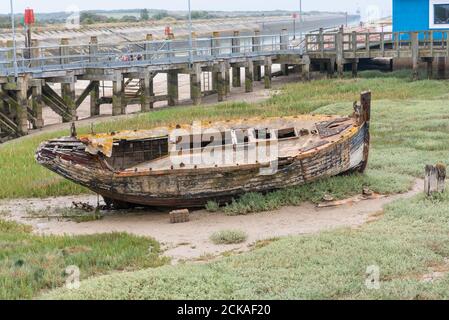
<point x="132" y="66"/>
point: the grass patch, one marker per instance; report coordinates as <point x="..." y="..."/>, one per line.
<point x="30" y="263"/>
<point x="71" y="214"/>
<point x="23" y="177"/>
<point x="409" y="130"/>
<point x="212" y="206"/>
<point x="228" y="237"/>
<point x="412" y="237"/>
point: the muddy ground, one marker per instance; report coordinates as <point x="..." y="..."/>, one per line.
<point x="190" y="241"/>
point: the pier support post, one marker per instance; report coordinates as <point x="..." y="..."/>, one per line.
<point x="415" y="55"/>
<point x="331" y="67"/>
<point x="2" y="103"/>
<point x="22" y="105"/>
<point x="257" y="72"/>
<point x="322" y="66"/>
<point x="355" y="67"/>
<point x="249" y="67"/>
<point x="267" y="75"/>
<point x="147" y="93"/>
<point x="37" y="106"/>
<point x="214" y="79"/>
<point x="227" y="78"/>
<point x="306" y="68"/>
<point x="195" y="84"/>
<point x="69" y="97"/>
<point x="118" y="95"/>
<point x="429" y="62"/>
<point x="221" y="85"/>
<point x="94" y="96"/>
<point x="172" y="87"/>
<point x="284" y="69"/>
<point x="442" y="68"/>
<point x="236" y="76"/>
<point x="339" y="49"/>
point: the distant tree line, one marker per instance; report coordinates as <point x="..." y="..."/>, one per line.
<point x="88" y="17"/>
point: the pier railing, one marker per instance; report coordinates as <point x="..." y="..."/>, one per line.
<point x="145" y="53"/>
<point x="373" y="44"/>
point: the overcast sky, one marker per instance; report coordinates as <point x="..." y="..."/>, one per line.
<point x="322" y="5"/>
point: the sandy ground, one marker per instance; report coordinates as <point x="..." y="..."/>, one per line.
<point x="190" y="241"/>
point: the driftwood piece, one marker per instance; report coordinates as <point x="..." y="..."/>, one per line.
<point x="434" y="178"/>
<point x="179" y="216"/>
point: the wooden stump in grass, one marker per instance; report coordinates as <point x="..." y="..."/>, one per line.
<point x="434" y="178"/>
<point x="179" y="216"/>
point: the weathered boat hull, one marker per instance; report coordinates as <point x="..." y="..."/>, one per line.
<point x="194" y="188"/>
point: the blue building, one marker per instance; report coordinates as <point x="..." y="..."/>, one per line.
<point x="420" y="15"/>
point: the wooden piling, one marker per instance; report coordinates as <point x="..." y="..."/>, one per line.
<point x="172" y="87"/>
<point x="69" y="97"/>
<point x="221" y="85"/>
<point x="257" y="73"/>
<point x="267" y="73"/>
<point x="94" y="96"/>
<point x="442" y="68"/>
<point x="415" y="55"/>
<point x="434" y="180"/>
<point x="339" y="49"/>
<point x="249" y="67"/>
<point x="147" y="96"/>
<point x="305" y="68"/>
<point x="118" y="94"/>
<point x="355" y="67"/>
<point x="22" y="105"/>
<point x="37" y="106"/>
<point x="236" y="76"/>
<point x="429" y="63"/>
<point x="227" y="78"/>
<point x="195" y="84"/>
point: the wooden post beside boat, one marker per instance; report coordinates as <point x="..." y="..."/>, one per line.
<point x="434" y="180"/>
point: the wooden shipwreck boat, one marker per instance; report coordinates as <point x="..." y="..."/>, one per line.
<point x="179" y="167"/>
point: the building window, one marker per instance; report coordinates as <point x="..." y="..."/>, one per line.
<point x="439" y="14"/>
